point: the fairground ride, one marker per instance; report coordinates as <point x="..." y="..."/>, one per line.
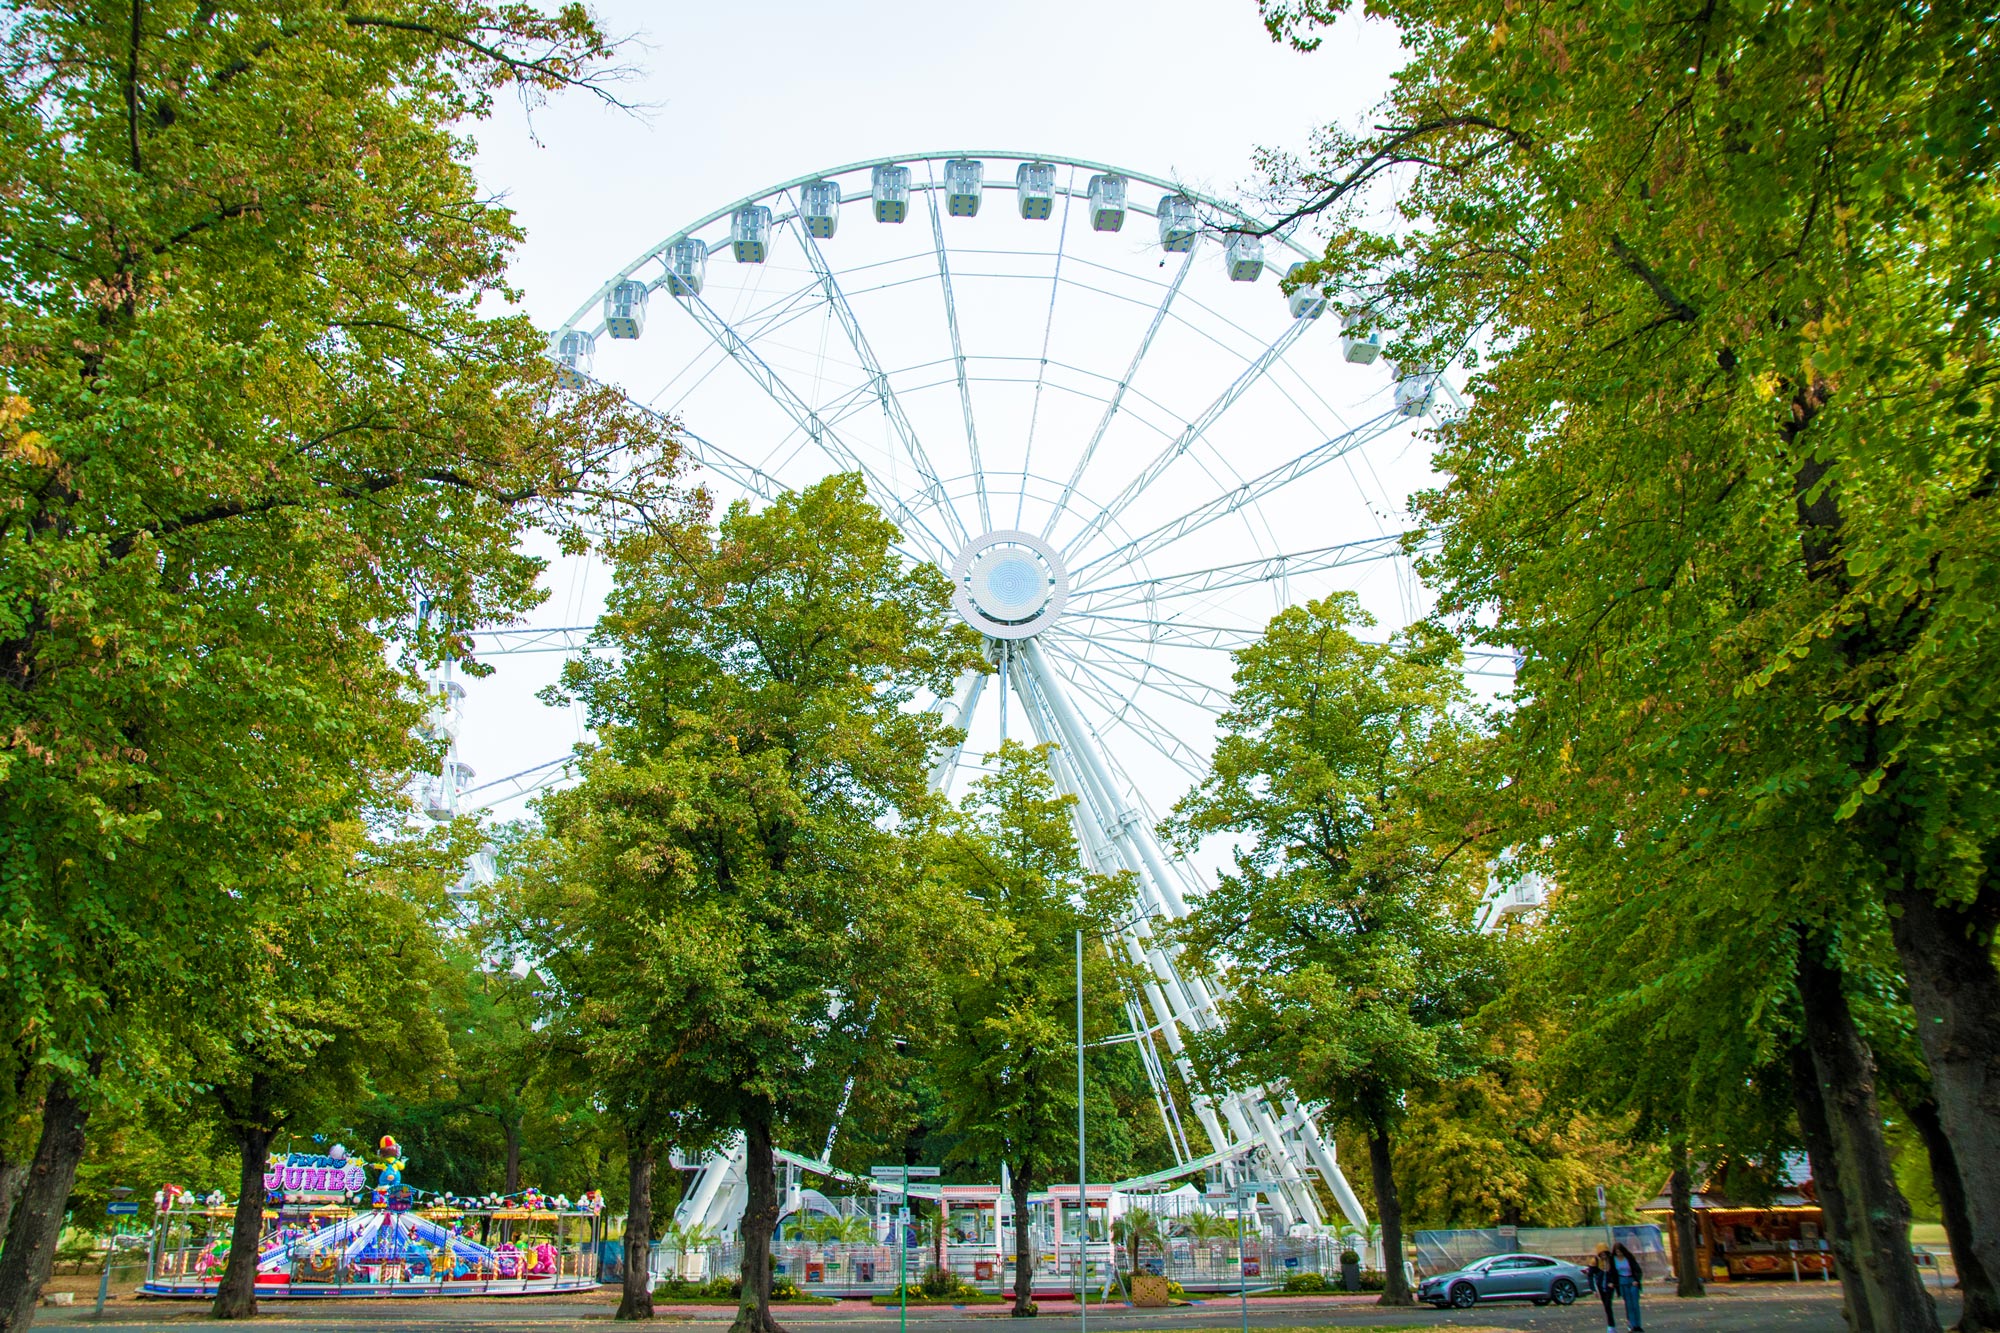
<point x="1077" y="389"/>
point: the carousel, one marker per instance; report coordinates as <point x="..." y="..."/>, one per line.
<point x="328" y="1233"/>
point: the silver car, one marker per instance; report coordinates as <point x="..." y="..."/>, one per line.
<point x="1506" y="1277"/>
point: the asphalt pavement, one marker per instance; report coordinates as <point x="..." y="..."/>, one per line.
<point x="1766" y="1308"/>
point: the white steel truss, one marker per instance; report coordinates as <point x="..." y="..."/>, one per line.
<point x="1168" y="437"/>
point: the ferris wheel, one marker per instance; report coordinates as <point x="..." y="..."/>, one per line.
<point x="1079" y="391"/>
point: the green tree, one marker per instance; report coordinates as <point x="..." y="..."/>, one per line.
<point x="334" y="985"/>
<point x="254" y="414"/>
<point x="1138" y="1228"/>
<point x="737" y="868"/>
<point x="1726" y="483"/>
<point x="1006" y="1058"/>
<point x="1346" y="933"/>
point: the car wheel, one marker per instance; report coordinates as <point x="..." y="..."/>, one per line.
<point x="1464" y="1295"/>
<point x="1563" y="1292"/>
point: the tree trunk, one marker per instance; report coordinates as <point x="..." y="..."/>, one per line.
<point x="1981" y="1313"/>
<point x="13" y="1175"/>
<point x="1826" y="1180"/>
<point x="37" y="1223"/>
<point x="1024" y="1249"/>
<point x="1395" y="1280"/>
<point x="513" y="1131"/>
<point x="636" y="1299"/>
<point x="760" y="1219"/>
<point x="1687" y="1250"/>
<point x="1878" y="1218"/>
<point x="937" y="1237"/>
<point x="1954" y="984"/>
<point x="236" y="1295"/>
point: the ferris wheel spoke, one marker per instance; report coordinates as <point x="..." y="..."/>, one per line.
<point x="1117" y="397"/>
<point x="1242" y="574"/>
<point x="1232" y="501"/>
<point x="878" y="381"/>
<point x="747" y="475"/>
<point x="1140" y="631"/>
<point x="524" y="783"/>
<point x="1120" y="710"/>
<point x="1048" y="333"/>
<point x="1197" y="429"/>
<point x="958" y="355"/>
<point x="1144" y="671"/>
<point x="806" y="418"/>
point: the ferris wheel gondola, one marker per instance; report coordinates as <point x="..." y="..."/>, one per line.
<point x="1125" y="460"/>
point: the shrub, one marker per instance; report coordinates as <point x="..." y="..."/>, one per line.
<point x="1299" y="1282"/>
<point x="940" y="1282"/>
<point x="784" y="1289"/>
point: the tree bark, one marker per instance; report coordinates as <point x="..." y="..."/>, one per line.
<point x="1878" y="1218"/>
<point x="236" y="1295"/>
<point x="1954" y="984"/>
<point x="1687" y="1249"/>
<point x="13" y="1175"/>
<point x="1981" y="1312"/>
<point x="1381" y="1164"/>
<point x="37" y="1223"/>
<point x="636" y="1299"/>
<point x="760" y="1219"/>
<point x="1826" y="1180"/>
<point x="1024" y="1248"/>
<point x="512" y="1129"/>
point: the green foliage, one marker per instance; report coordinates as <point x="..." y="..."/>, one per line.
<point x="1305" y="1283"/>
<point x="1346" y="928"/>
<point x="730" y="926"/>
<point x="1495" y="1146"/>
<point x="255" y="416"/>
<point x="1725" y="489"/>
<point x="1005" y="1059"/>
<point x="1135" y="1229"/>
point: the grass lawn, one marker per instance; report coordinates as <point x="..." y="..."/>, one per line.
<point x="977" y="1298"/>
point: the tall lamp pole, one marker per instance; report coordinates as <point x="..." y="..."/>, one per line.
<point x="1082" y="1195"/>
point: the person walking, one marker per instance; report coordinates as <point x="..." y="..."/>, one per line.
<point x="1604" y="1281"/>
<point x="1625" y="1267"/>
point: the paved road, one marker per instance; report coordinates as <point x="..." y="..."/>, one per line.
<point x="1776" y="1308"/>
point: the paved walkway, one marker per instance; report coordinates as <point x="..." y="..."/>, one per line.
<point x="1772" y="1308"/>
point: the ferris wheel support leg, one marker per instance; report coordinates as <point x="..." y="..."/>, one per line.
<point x="1329" y="1168"/>
<point x="1189" y="1002"/>
<point x="1081" y="744"/>
<point x="968" y="704"/>
<point x="1297" y="1193"/>
<point x="1161" y="979"/>
<point x="701" y="1203"/>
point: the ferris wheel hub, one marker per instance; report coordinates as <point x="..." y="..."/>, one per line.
<point x="1009" y="584"/>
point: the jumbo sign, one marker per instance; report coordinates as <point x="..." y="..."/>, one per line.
<point x="299" y="1174"/>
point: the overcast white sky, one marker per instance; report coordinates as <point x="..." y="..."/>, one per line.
<point x="735" y="98"/>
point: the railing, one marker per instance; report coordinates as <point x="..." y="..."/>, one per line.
<point x="869" y="1269"/>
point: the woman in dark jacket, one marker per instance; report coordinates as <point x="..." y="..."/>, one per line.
<point x="1625" y="1266"/>
<point x="1604" y="1281"/>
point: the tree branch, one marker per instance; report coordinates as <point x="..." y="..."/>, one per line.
<point x="1679" y="309"/>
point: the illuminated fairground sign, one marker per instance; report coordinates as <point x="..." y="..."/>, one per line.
<point x="315" y="1177"/>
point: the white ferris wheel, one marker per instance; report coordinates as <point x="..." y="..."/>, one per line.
<point x="1079" y="391"/>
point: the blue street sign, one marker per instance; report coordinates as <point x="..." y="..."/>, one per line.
<point x="122" y="1208"/>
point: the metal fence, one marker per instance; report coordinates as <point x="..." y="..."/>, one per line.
<point x="1443" y="1251"/>
<point x="870" y="1270"/>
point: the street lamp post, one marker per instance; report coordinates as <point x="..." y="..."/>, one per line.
<point x="1244" y="1193"/>
<point x="1082" y="1176"/>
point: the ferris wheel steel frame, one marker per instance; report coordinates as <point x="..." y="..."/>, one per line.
<point x="1114" y="610"/>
